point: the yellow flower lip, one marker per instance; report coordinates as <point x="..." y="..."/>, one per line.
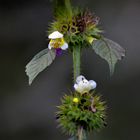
<point x="57" y="41"/>
<point x="75" y="100"/>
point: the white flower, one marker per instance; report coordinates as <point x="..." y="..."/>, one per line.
<point x="57" y="41"/>
<point x="82" y="85"/>
<point x="55" y="35"/>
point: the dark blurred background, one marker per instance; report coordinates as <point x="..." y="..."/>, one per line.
<point x="28" y="112"/>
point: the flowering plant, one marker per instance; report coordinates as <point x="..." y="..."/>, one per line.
<point x="75" y="29"/>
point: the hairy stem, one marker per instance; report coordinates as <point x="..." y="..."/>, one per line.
<point x="68" y="7"/>
<point x="76" y="61"/>
<point x="76" y="72"/>
<point x="63" y="5"/>
<point x="80" y="133"/>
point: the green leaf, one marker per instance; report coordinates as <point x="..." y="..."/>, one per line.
<point x="108" y="50"/>
<point x="39" y="63"/>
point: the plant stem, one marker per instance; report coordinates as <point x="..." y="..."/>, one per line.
<point x="76" y="72"/>
<point x="76" y="61"/>
<point x="66" y="4"/>
<point x="80" y="133"/>
<point x="63" y="5"/>
<point x="68" y="7"/>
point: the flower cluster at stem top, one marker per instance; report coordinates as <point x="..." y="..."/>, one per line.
<point x="80" y="29"/>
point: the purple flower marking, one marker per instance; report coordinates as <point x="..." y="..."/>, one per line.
<point x="58" y="51"/>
